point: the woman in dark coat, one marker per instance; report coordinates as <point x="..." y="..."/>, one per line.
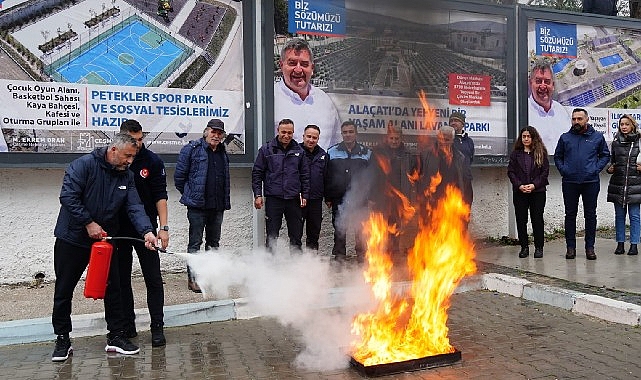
<point x="624" y="189"/>
<point x="528" y="171"/>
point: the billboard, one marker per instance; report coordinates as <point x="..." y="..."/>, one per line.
<point x="384" y="59"/>
<point x="68" y="78"/>
<point x="597" y="68"/>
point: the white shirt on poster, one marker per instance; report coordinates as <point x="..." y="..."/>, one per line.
<point x="317" y="108"/>
<point x="551" y="124"/>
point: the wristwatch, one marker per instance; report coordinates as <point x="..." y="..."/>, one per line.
<point x="164" y="228"/>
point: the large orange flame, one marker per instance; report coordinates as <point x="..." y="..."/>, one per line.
<point x="412" y="325"/>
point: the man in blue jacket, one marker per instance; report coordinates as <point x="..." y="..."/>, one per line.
<point x="316" y="159"/>
<point x="95" y="188"/>
<point x="151" y="184"/>
<point x="281" y="176"/>
<point x="348" y="163"/>
<point x="202" y="178"/>
<point x="580" y="155"/>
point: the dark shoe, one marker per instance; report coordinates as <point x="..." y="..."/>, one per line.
<point x="570" y="253"/>
<point x="633" y="250"/>
<point x="538" y="253"/>
<point x="589" y="254"/>
<point x="620" y="249"/>
<point x="63" y="349"/>
<point x="193" y="286"/>
<point x="120" y="344"/>
<point x="525" y="252"/>
<point x="157" y="336"/>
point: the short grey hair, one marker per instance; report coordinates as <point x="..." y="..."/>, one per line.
<point x="121" y="140"/>
<point x="448" y="131"/>
<point x="541" y="64"/>
<point x="297" y="44"/>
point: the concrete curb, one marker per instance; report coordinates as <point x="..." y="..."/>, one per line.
<point x="40" y="330"/>
<point x="577" y="302"/>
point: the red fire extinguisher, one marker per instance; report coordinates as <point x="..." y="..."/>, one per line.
<point x="98" y="270"/>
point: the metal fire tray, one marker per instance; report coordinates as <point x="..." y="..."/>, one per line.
<point x="427" y="362"/>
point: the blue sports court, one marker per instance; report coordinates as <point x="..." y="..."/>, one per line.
<point x="560" y="65"/>
<point x="136" y="55"/>
<point x="610" y="60"/>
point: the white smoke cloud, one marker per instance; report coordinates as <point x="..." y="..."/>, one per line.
<point x="305" y="291"/>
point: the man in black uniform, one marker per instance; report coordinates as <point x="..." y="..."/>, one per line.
<point x="151" y="184"/>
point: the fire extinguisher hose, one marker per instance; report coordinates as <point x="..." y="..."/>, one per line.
<point x="138" y="240"/>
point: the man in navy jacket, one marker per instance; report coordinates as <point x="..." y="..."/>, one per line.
<point x="580" y="155"/>
<point x="281" y="176"/>
<point x="202" y="178"/>
<point x="95" y="188"/>
<point x="316" y="158"/>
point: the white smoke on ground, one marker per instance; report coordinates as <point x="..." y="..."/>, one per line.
<point x="305" y="291"/>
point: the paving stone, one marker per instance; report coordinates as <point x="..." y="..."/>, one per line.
<point x="500" y="337"/>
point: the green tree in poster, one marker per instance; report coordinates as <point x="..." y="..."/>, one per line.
<point x="280" y="16"/>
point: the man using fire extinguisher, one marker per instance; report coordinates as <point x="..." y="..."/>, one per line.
<point x="151" y="183"/>
<point x="95" y="188"/>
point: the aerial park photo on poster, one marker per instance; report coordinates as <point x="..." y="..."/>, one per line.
<point x="407" y="65"/>
<point x="69" y="78"/>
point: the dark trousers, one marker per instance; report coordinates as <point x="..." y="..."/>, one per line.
<point x="150" y="267"/>
<point x="340" y="223"/>
<point x="210" y="221"/>
<point x="275" y="208"/>
<point x="534" y="203"/>
<point x="589" y="193"/>
<point x="313" y="218"/>
<point x="69" y="262"/>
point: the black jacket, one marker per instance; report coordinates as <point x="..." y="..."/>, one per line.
<point x="393" y="167"/>
<point x="316" y="160"/>
<point x="151" y="184"/>
<point x="625" y="183"/>
<point x="280" y="172"/>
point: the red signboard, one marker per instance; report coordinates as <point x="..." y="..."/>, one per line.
<point x="469" y="89"/>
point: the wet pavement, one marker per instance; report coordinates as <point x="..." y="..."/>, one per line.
<point x="500" y="336"/>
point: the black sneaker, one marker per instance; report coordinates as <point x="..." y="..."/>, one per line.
<point x="120" y="344"/>
<point x="63" y="349"/>
<point x="157" y="336"/>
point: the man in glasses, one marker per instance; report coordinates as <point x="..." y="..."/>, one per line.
<point x="151" y="184"/>
<point x="548" y="116"/>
